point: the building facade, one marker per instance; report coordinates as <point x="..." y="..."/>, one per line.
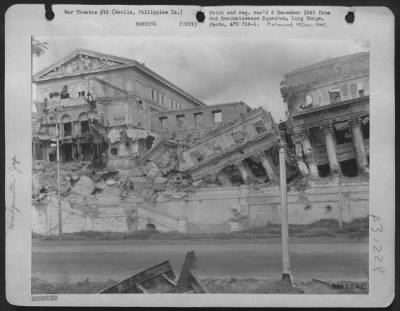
<point x="328" y="115"/>
<point x="102" y="104"/>
<point x="188" y="125"/>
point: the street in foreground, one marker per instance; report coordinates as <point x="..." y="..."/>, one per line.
<point x="311" y="258"/>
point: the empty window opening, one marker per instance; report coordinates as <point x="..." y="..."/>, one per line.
<point x="217" y="116"/>
<point x="52" y="156"/>
<point x="153" y="95"/>
<point x="151" y="227"/>
<point x="365" y="127"/>
<point x="198" y="119"/>
<point x="334" y="96"/>
<point x="180" y="120"/>
<point x="360" y="89"/>
<point x="64" y="92"/>
<point x="349" y="168"/>
<point x="309" y="102"/>
<point x="85" y="129"/>
<point x="317" y="139"/>
<point x="81" y="93"/>
<point x="67" y="129"/>
<point x="342" y="133"/>
<point x="260" y="127"/>
<point x="323" y="170"/>
<point x="163" y="122"/>
<point x="114" y="151"/>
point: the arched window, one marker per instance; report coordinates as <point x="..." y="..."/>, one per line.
<point x="65" y="118"/>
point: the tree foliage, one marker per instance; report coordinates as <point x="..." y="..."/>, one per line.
<point x="38" y="47"/>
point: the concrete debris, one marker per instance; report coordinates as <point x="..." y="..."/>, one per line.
<point x="114" y="136"/>
<point x="85" y="186"/>
<point x="110" y="182"/>
<point x="135" y="134"/>
<point x="170" y="169"/>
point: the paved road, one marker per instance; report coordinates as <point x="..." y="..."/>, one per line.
<point x="100" y="260"/>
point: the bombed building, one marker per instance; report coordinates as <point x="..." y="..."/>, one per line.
<point x="102" y="104"/>
<point x="328" y="112"/>
<point x="138" y="152"/>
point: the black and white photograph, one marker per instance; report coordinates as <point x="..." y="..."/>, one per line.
<point x="246" y="172"/>
<point x="185" y="156"/>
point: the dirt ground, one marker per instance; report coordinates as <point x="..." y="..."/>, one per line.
<point x="231" y="285"/>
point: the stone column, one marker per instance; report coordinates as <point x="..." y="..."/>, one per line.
<point x="243" y="171"/>
<point x="330" y="146"/>
<point x="299" y="156"/>
<point x="78" y="148"/>
<point x="358" y="142"/>
<point x="266" y="161"/>
<point x="248" y="170"/>
<point x="308" y="154"/>
<point x="74" y="148"/>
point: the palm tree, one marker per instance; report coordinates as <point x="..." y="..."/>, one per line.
<point x="38" y="47"/>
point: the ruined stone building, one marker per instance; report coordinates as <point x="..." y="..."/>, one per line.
<point x="328" y="115"/>
<point x="103" y="104"/>
<point x="188" y="125"/>
<point x="180" y="165"/>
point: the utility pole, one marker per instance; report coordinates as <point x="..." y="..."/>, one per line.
<point x="286" y="275"/>
<point x="59" y="184"/>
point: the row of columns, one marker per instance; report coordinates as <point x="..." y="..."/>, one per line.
<point x="264" y="158"/>
<point x="303" y="146"/>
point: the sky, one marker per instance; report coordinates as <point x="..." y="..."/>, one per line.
<point x="214" y="70"/>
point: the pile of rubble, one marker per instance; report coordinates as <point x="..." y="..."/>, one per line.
<point x="80" y="182"/>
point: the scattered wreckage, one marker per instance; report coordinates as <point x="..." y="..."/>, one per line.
<point x="160" y="279"/>
<point x="240" y="152"/>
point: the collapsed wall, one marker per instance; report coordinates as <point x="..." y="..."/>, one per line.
<point x="226" y="181"/>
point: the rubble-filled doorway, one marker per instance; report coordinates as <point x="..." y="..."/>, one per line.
<point x="86" y="150"/>
<point x="349" y="168"/>
<point x="323" y="170"/>
<point x="66" y="152"/>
